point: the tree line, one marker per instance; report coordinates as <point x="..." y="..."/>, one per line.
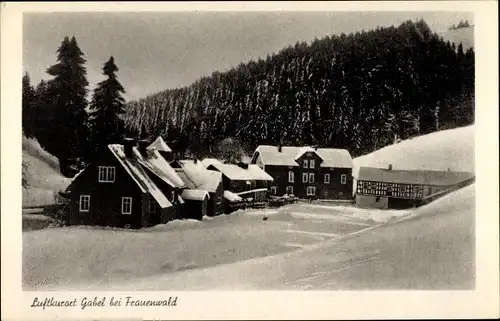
<point x="360" y="91"/>
<point x="58" y="114"/>
<point x="461" y="24"/>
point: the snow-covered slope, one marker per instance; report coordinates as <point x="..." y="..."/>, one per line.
<point x="41" y="171"/>
<point x="453" y="149"/>
<point x="462" y="35"/>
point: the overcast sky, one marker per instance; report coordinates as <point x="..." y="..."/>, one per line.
<point x="157" y="51"/>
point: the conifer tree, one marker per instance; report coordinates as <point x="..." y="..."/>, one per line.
<point x="28" y="106"/>
<point x="106" y="108"/>
<point x="67" y="92"/>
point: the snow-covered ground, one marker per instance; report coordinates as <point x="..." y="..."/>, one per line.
<point x="297" y="248"/>
<point x="432" y="249"/>
<point x="92" y="257"/>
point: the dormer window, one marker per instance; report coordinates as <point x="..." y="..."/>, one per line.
<point x="306" y="163"/>
<point x="311" y="163"/>
<point x="106" y="174"/>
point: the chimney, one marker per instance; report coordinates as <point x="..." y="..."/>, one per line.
<point x="390" y="167"/>
<point x="143" y="145"/>
<point x="243" y="165"/>
<point x="279" y="148"/>
<point x="128" y="144"/>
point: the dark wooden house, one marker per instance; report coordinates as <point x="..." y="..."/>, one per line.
<point x="117" y="190"/>
<point x="243" y="178"/>
<point x="306" y="172"/>
<point x="386" y="188"/>
<point x="196" y="203"/>
<point x="196" y="176"/>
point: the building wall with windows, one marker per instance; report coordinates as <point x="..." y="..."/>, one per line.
<point x="311" y="182"/>
<point x="103" y="186"/>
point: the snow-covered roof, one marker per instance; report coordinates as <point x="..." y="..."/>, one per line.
<point x="258" y="173"/>
<point x="303" y="150"/>
<point x="194" y="194"/>
<point x="424" y="177"/>
<point x="230" y="196"/>
<point x="237" y="173"/>
<point x="197" y="176"/>
<point x="160" y="145"/>
<point x="209" y="161"/>
<point x="154" y="162"/>
<point x="332" y="157"/>
<point x="139" y="174"/>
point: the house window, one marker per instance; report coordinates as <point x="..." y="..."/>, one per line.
<point x="311" y="177"/>
<point x="289" y="190"/>
<point x="388" y="191"/>
<point x="291" y="177"/>
<point x="343" y="179"/>
<point x="84" y="203"/>
<point x="327" y="178"/>
<point x="311" y="163"/>
<point x="304" y="177"/>
<point x="311" y="190"/>
<point x="152" y="206"/>
<point x="172" y="196"/>
<point x="126" y="205"/>
<point x="106" y="174"/>
<point x="306" y="163"/>
<point x="219" y="200"/>
<point x="274" y="190"/>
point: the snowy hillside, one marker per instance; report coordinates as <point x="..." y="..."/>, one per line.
<point x="453" y="149"/>
<point x="462" y="35"/>
<point x="41" y="171"/>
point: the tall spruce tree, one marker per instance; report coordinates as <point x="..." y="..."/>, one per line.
<point x="105" y="109"/>
<point x="28" y="106"/>
<point x="67" y="92"/>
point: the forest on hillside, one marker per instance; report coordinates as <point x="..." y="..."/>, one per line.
<point x="360" y="91"/>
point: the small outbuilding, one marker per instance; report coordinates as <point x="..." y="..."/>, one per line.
<point x="196" y="203"/>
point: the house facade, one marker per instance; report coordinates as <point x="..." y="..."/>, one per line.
<point x="116" y="190"/>
<point x="386" y="188"/>
<point x="323" y="173"/>
<point x="126" y="185"/>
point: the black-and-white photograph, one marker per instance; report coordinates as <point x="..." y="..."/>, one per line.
<point x="262" y="150"/>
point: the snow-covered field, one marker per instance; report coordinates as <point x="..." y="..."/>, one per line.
<point x="431" y="249"/>
<point x="298" y="247"/>
<point x="92" y="257"/>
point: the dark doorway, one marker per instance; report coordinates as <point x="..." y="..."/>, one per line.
<point x="399" y="203"/>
